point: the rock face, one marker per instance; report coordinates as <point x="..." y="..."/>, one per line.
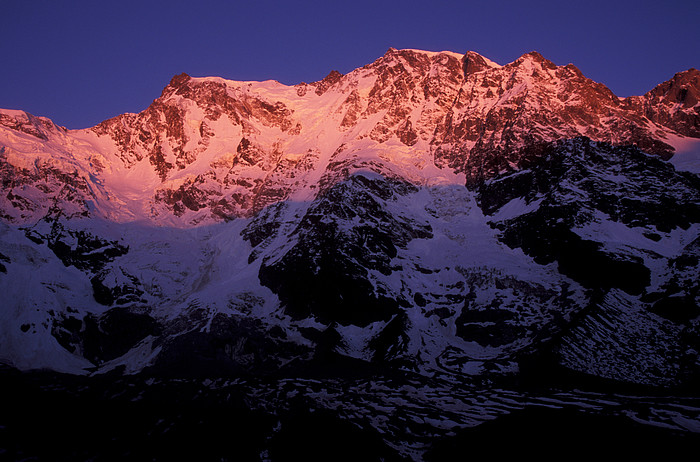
<point x="673" y="103"/>
<point x="431" y="212"/>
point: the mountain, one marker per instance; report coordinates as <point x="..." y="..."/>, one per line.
<point x="431" y="214"/>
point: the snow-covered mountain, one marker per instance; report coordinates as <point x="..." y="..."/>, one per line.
<point x="436" y="213"/>
<point x="433" y="208"/>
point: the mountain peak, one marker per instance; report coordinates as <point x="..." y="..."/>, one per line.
<point x="675" y="103"/>
<point x="473" y="62"/>
<point x="328" y="81"/>
<point x="535" y="57"/>
<point x="25" y="122"/>
<point x="175" y="83"/>
<point x="411" y="53"/>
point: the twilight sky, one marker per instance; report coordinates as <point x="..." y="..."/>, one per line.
<point x="80" y="62"/>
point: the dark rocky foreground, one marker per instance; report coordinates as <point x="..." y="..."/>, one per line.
<point x="52" y="417"/>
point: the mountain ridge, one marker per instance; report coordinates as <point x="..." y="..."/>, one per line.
<point x="473" y="123"/>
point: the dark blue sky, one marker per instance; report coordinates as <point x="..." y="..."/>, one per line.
<point x="80" y="62"/>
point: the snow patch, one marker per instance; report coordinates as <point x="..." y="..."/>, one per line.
<point x="687" y="156"/>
